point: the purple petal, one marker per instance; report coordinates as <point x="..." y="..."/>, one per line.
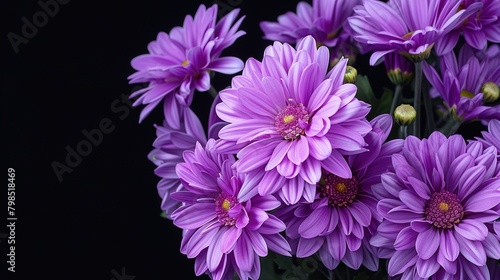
<point x="315" y="223"/>
<point x="405" y="239"/>
<point x="336" y="244"/>
<point x="472" y="250"/>
<point x="449" y="247"/>
<point x="427" y="268"/>
<point x="483" y="200"/>
<point x="186" y="219"/>
<point x="401" y="260"/>
<point x="336" y="164"/>
<point x="471" y="229"/>
<point x="229" y="239"/>
<point x="308" y="247"/>
<point x="243" y="253"/>
<point x="226" y="65"/>
<point x="299" y="150"/>
<point x="427" y="243"/>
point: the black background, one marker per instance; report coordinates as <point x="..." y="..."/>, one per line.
<point x="103" y="217"/>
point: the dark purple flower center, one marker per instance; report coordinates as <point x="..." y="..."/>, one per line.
<point x="339" y="191"/>
<point x="291" y="121"/>
<point x="444" y="210"/>
<point x="223" y="203"/>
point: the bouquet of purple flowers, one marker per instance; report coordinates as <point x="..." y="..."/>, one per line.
<point x="303" y="171"/>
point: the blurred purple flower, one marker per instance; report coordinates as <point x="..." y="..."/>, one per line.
<point x="181" y="62"/>
<point x="340" y="222"/>
<point x="437" y="202"/>
<point x="289" y="117"/>
<point x="478" y="29"/>
<point x="460" y="81"/>
<point x="224" y="234"/>
<point x="169" y="146"/>
<point x="409" y="27"/>
<point x="324" y="20"/>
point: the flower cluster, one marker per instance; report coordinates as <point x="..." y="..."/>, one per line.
<point x="301" y="162"/>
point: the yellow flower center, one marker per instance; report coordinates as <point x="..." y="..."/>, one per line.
<point x="341" y="187"/>
<point x="466" y="93"/>
<point x="226" y="204"/>
<point x="443" y="206"/>
<point x="185" y="63"/>
<point x="288" y="118"/>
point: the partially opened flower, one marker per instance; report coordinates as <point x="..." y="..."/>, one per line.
<point x="399" y="69"/>
<point x="224" y="234"/>
<point x="288" y="118"/>
<point x="181" y="62"/>
<point x="169" y="146"/>
<point x="460" y="84"/>
<point x="478" y="29"/>
<point x="338" y="225"/>
<point x="409" y="27"/>
<point x="437" y="201"/>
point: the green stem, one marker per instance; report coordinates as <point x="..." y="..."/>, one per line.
<point x="429" y="115"/>
<point x="395" y="98"/>
<point x="213" y="92"/>
<point x="417" y="97"/>
<point x="450" y="127"/>
<point x="403" y="131"/>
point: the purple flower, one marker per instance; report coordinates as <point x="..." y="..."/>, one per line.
<point x="169" y="146"/>
<point x="180" y="62"/>
<point x="460" y="81"/>
<point x="324" y="20"/>
<point x="224" y="234"/>
<point x="492" y="138"/>
<point x="437" y="201"/>
<point x="409" y="27"/>
<point x="340" y="222"/>
<point x="288" y="118"/>
<point x="478" y="29"/>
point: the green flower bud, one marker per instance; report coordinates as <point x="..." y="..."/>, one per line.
<point x="405" y="114"/>
<point x="490" y="91"/>
<point x="350" y="75"/>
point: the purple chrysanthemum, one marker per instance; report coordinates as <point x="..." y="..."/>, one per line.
<point x="180" y="62"/>
<point x="169" y="146"/>
<point x="288" y="118"/>
<point x="491" y="137"/>
<point x="224" y="234"/>
<point x="460" y="83"/>
<point x="478" y="29"/>
<point x="324" y="20"/>
<point x="437" y="202"/>
<point x="339" y="223"/>
<point x="409" y="27"/>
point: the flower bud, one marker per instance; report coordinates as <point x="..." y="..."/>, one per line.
<point x="490" y="91"/>
<point x="350" y="75"/>
<point x="399" y="69"/>
<point x="405" y="114"/>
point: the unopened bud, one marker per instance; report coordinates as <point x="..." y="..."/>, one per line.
<point x="405" y="114"/>
<point x="490" y="91"/>
<point x="350" y="75"/>
<point x="398" y="77"/>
